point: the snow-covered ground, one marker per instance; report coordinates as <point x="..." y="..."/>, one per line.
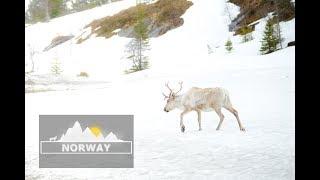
<point x="262" y="89"/>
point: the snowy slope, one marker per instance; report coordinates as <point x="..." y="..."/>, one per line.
<point x="97" y="55"/>
<point x="262" y="89"/>
<point x="104" y="59"/>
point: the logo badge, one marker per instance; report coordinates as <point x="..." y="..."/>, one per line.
<point x="86" y="141"/>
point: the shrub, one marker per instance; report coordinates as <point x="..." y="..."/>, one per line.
<point x="246" y="33"/>
<point x="56" y="67"/>
<point x="83" y="74"/>
<point x="229" y="45"/>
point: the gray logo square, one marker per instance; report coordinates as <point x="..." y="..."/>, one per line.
<point x="86" y="141"/>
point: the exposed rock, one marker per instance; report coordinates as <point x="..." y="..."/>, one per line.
<point x="160" y="17"/>
<point x="253" y="10"/>
<point x="29" y="82"/>
<point x="162" y="29"/>
<point x="126" y="32"/>
<point x="58" y="40"/>
<point x="292" y="43"/>
<point x="154" y="29"/>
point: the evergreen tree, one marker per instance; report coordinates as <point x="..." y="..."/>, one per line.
<point x="56" y="67"/>
<point x="137" y="47"/>
<point x="270" y="39"/>
<point x="229" y="45"/>
<point x="55" y="8"/>
<point x="36" y="11"/>
<point x="44" y="10"/>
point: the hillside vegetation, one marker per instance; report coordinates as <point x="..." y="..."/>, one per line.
<point x="44" y="10"/>
<point x="160" y="17"/>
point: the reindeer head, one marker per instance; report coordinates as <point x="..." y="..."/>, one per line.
<point x="171" y="98"/>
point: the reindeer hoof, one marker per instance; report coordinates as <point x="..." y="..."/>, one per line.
<point x="242" y="129"/>
<point x="200" y="129"/>
<point x="182" y="128"/>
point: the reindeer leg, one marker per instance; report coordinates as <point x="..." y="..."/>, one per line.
<point x="235" y="113"/>
<point x="199" y="119"/>
<point x="181" y="120"/>
<point x="221" y="116"/>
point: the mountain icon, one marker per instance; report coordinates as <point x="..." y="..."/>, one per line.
<point x="93" y="134"/>
<point x="112" y="138"/>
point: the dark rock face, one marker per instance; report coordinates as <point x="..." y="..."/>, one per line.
<point x="155" y="29"/>
<point x="160" y="17"/>
<point x="253" y="10"/>
<point x="58" y="40"/>
<point x="292" y="43"/>
<point x="162" y="29"/>
<point x="126" y="32"/>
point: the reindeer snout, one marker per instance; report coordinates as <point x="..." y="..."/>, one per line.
<point x="165" y="110"/>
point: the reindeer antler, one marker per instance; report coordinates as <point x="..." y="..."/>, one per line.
<point x="171" y="91"/>
<point x="180" y="87"/>
<point x="165" y="96"/>
<point x="167" y="85"/>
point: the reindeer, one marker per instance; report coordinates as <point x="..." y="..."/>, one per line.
<point x="200" y="99"/>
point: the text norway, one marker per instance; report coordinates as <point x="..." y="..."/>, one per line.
<point x="85" y="147"/>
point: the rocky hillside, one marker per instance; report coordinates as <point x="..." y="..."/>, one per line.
<point x="252" y="10"/>
<point x="160" y="17"/>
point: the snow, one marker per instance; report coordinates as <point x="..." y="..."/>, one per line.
<point x="75" y="56"/>
<point x="232" y="10"/>
<point x="69" y="5"/>
<point x="26" y="5"/>
<point x="261" y="87"/>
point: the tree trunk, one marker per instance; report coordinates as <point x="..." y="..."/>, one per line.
<point x="140" y="55"/>
<point x="47" y="10"/>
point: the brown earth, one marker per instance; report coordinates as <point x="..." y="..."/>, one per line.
<point x="160" y="17"/>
